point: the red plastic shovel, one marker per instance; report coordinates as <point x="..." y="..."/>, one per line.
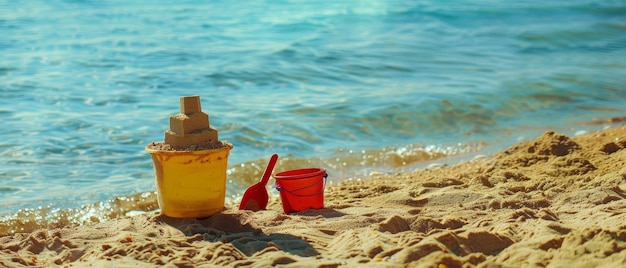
<point x="255" y="198"/>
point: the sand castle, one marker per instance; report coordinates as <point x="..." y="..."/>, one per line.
<point x="190" y="165"/>
<point x="191" y="127"/>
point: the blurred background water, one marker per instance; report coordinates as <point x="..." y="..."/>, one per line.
<point x="352" y="86"/>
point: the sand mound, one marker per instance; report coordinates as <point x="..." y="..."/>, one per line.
<point x="555" y="201"/>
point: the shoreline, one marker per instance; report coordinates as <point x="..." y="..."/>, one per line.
<point x="554" y="200"/>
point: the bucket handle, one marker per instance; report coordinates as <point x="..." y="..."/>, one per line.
<point x="308" y="186"/>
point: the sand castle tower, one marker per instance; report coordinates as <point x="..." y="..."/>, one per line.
<point x="191" y="127"/>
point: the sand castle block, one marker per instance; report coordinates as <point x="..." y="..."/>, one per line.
<point x="190" y="105"/>
<point x="183" y="124"/>
<point x="191" y="126"/>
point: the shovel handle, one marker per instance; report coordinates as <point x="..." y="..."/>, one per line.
<point x="269" y="169"/>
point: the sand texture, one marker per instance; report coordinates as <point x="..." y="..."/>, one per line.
<point x="555" y="201"/>
<point x="200" y="146"/>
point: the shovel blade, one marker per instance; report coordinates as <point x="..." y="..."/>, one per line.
<point x="255" y="198"/>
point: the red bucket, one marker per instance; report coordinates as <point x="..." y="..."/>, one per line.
<point x="301" y="189"/>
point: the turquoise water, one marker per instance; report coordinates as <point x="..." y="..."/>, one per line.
<point x="352" y="86"/>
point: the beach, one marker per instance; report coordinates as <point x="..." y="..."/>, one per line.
<point x="454" y="134"/>
<point x="555" y="200"/>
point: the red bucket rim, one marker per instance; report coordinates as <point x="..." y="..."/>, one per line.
<point x="300" y="173"/>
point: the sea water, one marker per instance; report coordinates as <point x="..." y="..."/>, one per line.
<point x="356" y="87"/>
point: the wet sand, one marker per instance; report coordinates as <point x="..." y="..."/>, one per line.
<point x="554" y="201"/>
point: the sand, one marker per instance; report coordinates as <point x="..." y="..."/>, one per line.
<point x="161" y="146"/>
<point x="555" y="201"/>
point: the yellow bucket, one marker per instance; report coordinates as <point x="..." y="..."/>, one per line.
<point x="191" y="184"/>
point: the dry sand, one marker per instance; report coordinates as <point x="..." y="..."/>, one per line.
<point x="555" y="201"/>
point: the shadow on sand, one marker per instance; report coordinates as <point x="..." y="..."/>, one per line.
<point x="227" y="228"/>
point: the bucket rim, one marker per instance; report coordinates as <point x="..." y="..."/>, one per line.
<point x="312" y="172"/>
<point x="227" y="146"/>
